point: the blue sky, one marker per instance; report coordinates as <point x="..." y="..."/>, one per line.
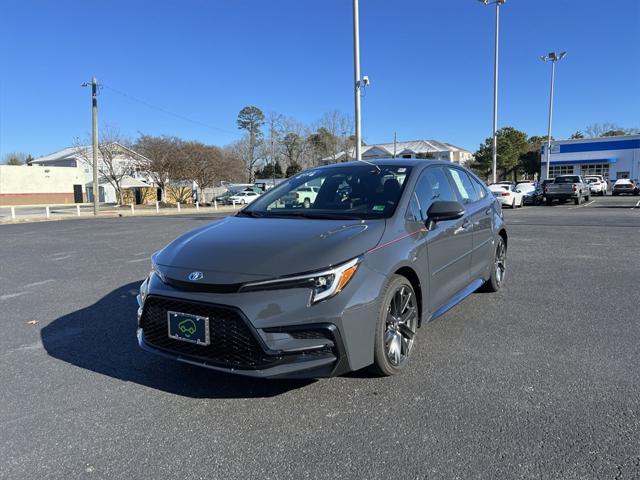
<point x="430" y="64"/>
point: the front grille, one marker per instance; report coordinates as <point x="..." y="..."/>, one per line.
<point x="233" y="345"/>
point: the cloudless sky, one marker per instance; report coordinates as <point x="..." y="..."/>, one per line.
<point x="430" y="64"/>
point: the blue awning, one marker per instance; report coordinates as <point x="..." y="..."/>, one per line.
<point x="577" y="162"/>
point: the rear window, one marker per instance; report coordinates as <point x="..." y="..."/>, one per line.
<point x="571" y="179"/>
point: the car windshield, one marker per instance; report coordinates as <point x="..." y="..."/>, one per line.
<point x="354" y="191"/>
<point x="572" y="179"/>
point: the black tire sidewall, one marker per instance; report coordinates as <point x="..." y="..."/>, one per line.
<point x="381" y="363"/>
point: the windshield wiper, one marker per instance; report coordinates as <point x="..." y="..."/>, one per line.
<point x="248" y="213"/>
<point x="321" y="216"/>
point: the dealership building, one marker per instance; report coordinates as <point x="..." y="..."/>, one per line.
<point x="613" y="157"/>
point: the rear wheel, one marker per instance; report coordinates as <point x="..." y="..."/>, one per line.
<point x="396" y="327"/>
<point x="578" y="200"/>
<point x="499" y="267"/>
<point x="513" y="203"/>
<point x="306" y="203"/>
<point x="587" y="198"/>
<point x="521" y="202"/>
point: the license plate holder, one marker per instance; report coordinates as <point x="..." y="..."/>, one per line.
<point x="188" y="328"/>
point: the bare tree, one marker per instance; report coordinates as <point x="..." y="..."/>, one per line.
<point x="247" y="154"/>
<point x="340" y="126"/>
<point x="16" y="158"/>
<point x="160" y="160"/>
<point x="116" y="159"/>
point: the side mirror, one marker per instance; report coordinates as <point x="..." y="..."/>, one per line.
<point x="443" y="210"/>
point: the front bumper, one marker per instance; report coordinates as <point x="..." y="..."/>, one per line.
<point x="268" y="334"/>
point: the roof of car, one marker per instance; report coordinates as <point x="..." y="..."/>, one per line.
<point x="391" y="162"/>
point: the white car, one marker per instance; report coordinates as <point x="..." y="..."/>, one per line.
<point x="507" y="195"/>
<point x="243" y="198"/>
<point x="307" y="195"/>
<point x="597" y="184"/>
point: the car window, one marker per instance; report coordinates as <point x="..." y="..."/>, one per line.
<point x="567" y="179"/>
<point x="481" y="189"/>
<point x="525" y="187"/>
<point x="433" y="185"/>
<point x="464" y="186"/>
<point x="355" y="191"/>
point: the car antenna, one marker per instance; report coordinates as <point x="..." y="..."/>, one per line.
<point x="372" y="164"/>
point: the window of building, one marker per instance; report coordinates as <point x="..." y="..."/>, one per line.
<point x="406" y="156"/>
<point x="557" y="170"/>
<point x="596" y="169"/>
<point x="622" y="175"/>
<point x="464" y="186"/>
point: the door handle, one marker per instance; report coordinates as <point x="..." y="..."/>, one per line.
<point x="462" y="228"/>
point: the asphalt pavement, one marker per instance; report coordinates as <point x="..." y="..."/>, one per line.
<point x="540" y="380"/>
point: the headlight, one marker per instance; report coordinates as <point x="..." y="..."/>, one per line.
<point x="155" y="269"/>
<point x="324" y="284"/>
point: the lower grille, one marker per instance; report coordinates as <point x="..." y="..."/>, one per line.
<point x="233" y="345"/>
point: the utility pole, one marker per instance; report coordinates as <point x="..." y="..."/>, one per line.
<point x="94" y="138"/>
<point x="498" y="3"/>
<point x="395" y="141"/>
<point x="356" y="74"/>
<point x="554" y="58"/>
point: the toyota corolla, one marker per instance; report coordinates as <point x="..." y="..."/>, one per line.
<point x="319" y="288"/>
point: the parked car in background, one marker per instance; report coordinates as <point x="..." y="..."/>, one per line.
<point x="568" y="187"/>
<point x="507" y="195"/>
<point x="597" y="184"/>
<point x="625" y="186"/>
<point x="244" y="198"/>
<point x="532" y="192"/>
<point x="307" y="195"/>
<point x="544" y="183"/>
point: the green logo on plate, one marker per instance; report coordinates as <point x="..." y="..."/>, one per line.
<point x="187" y="327"/>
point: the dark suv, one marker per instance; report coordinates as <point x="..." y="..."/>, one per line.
<point x="338" y="283"/>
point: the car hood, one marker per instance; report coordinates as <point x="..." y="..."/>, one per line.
<point x="240" y="249"/>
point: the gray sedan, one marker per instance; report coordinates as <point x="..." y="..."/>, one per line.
<point x="333" y="285"/>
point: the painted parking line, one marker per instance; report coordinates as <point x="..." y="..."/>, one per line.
<point x="637" y="205"/>
<point x="583" y="205"/>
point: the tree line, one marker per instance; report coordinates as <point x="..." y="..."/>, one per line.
<point x="519" y="156"/>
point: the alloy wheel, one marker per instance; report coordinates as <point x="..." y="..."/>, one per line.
<point x="401" y="325"/>
<point x="500" y="262"/>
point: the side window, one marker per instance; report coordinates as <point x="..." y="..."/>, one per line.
<point x="464" y="186"/>
<point x="480" y="188"/>
<point x="433" y="185"/>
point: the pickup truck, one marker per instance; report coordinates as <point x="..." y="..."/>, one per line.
<point x="566" y="187"/>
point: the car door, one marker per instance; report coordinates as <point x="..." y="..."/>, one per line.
<point x="479" y="211"/>
<point x="448" y="244"/>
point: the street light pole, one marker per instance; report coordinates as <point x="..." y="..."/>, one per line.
<point x="356" y="74"/>
<point x="494" y="166"/>
<point x="552" y="57"/>
<point x="94" y="142"/>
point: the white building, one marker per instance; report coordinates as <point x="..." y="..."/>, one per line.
<point x="413" y="149"/>
<point x="125" y="162"/>
<point x="613" y="157"/>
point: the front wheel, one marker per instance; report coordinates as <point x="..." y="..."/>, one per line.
<point x="396" y="327"/>
<point x="587" y="198"/>
<point x="578" y="200"/>
<point x="499" y="267"/>
<point x="521" y="202"/>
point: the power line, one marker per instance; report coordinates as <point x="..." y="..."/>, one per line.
<point x="169" y="112"/>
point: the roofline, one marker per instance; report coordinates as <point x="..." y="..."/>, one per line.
<point x="596" y="139"/>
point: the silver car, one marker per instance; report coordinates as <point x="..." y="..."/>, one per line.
<point x="337" y="284"/>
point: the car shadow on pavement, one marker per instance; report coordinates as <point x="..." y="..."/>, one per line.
<point x="102" y="338"/>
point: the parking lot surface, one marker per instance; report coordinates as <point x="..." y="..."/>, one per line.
<point x="540" y="380"/>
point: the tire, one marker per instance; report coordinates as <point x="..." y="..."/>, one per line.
<point x="242" y="202"/>
<point x="578" y="200"/>
<point x="587" y="198"/>
<point x="498" y="269"/>
<point x="549" y="202"/>
<point x="521" y="202"/>
<point x="513" y="204"/>
<point x="394" y="339"/>
<point x="306" y="203"/>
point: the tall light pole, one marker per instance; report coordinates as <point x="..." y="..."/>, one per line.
<point x="554" y="58"/>
<point x="356" y="75"/>
<point x="497" y="3"/>
<point x="94" y="138"/>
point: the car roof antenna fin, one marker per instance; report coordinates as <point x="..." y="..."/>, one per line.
<point x="372" y="164"/>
